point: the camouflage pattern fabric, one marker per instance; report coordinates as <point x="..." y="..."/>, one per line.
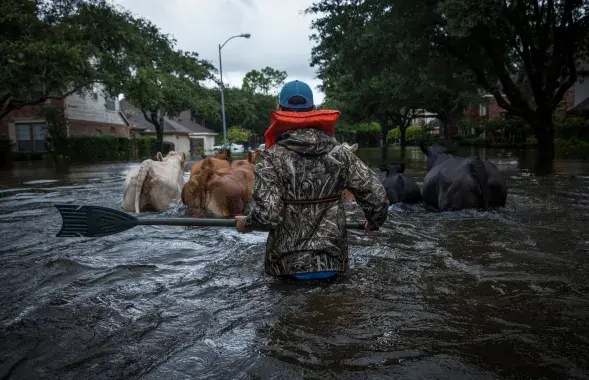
<point x="309" y="164"/>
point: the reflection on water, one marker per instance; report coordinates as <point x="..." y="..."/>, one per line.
<point x="475" y="295"/>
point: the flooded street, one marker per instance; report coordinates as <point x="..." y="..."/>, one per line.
<point x="457" y="295"/>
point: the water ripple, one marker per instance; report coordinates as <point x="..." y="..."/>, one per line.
<point x="469" y="295"/>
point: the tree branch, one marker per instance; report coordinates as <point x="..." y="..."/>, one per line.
<point x="532" y="59"/>
<point x="517" y="103"/>
<point x="147" y="118"/>
<point x="7" y="107"/>
<point x="481" y="78"/>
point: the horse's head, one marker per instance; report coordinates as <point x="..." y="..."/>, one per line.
<point x="433" y="153"/>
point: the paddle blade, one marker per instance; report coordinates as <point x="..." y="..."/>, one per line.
<point x="93" y="221"/>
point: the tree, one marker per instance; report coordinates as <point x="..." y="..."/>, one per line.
<point x="266" y="81"/>
<point x="169" y="82"/>
<point x="250" y="105"/>
<point x="366" y="63"/>
<point x="51" y="49"/>
<point x="524" y="53"/>
<point x="238" y="134"/>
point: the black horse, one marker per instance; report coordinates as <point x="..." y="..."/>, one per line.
<point x="457" y="183"/>
<point x="399" y="187"/>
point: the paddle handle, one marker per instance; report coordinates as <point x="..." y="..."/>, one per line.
<point x="204" y="222"/>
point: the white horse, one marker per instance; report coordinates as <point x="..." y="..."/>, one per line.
<point x="153" y="185"/>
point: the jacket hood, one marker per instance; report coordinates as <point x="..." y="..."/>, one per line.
<point x="307" y="141"/>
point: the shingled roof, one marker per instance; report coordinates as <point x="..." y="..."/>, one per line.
<point x="181" y="124"/>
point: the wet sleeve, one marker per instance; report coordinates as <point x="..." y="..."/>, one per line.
<point x="267" y="209"/>
<point x="367" y="189"/>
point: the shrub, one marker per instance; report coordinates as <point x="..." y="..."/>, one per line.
<point x="394" y="134"/>
<point x="470" y="129"/>
<point x="5" y="151"/>
<point x="572" y="148"/>
<point x="97" y="148"/>
<point x="144" y="147"/>
<point x="571" y="144"/>
<point x="413" y="133"/>
<point x="365" y="134"/>
<point x="155" y="147"/>
<point x="110" y="148"/>
<point x="238" y="134"/>
<point x="571" y="127"/>
<point x="506" y="131"/>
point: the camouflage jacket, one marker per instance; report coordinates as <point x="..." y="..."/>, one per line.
<point x="309" y="164"/>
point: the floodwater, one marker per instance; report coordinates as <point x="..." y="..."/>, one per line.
<point x="463" y="295"/>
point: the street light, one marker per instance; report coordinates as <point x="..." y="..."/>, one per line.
<point x="244" y="35"/>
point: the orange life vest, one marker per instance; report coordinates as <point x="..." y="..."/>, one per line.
<point x="282" y="121"/>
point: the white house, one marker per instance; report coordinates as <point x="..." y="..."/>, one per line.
<point x="95" y="114"/>
<point x="424" y="117"/>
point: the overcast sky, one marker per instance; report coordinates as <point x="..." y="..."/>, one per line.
<point x="279" y="33"/>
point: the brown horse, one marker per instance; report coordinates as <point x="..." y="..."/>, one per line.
<point x="221" y="191"/>
<point x="220" y="160"/>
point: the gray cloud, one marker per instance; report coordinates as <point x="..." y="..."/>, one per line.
<point x="280" y="33"/>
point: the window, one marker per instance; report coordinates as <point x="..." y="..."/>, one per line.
<point x="111" y="131"/>
<point x="30" y="137"/>
<point x="483" y="110"/>
<point x="110" y="104"/>
<point x="97" y="132"/>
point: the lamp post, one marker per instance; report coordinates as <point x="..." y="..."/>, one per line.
<point x="244" y="35"/>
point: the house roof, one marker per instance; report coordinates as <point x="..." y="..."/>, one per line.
<point x="185" y="120"/>
<point x="180" y="124"/>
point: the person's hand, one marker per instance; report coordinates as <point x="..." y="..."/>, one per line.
<point x="240" y="224"/>
<point x="369" y="226"/>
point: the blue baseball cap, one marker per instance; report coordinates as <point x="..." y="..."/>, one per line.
<point x="296" y="88"/>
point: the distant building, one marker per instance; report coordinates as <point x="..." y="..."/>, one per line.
<point x="575" y="100"/>
<point x="183" y="131"/>
<point x="86" y="115"/>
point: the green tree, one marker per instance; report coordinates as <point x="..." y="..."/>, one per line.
<point x="169" y="83"/>
<point x="250" y="105"/>
<point x="238" y="134"/>
<point x="367" y="62"/>
<point x="50" y="49"/>
<point x="524" y="53"/>
<point x="266" y="81"/>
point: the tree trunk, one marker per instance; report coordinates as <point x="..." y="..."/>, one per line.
<point x="452" y="125"/>
<point x="445" y="125"/>
<point x="402" y="140"/>
<point x="545" y="150"/>
<point x="384" y="131"/>
<point x="446" y="133"/>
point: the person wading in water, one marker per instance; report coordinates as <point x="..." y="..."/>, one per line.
<point x="298" y="184"/>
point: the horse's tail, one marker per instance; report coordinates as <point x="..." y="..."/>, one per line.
<point x="479" y="173"/>
<point x="144" y="170"/>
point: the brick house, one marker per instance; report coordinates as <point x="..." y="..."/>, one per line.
<point x="86" y="115"/>
<point x="575" y="100"/>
